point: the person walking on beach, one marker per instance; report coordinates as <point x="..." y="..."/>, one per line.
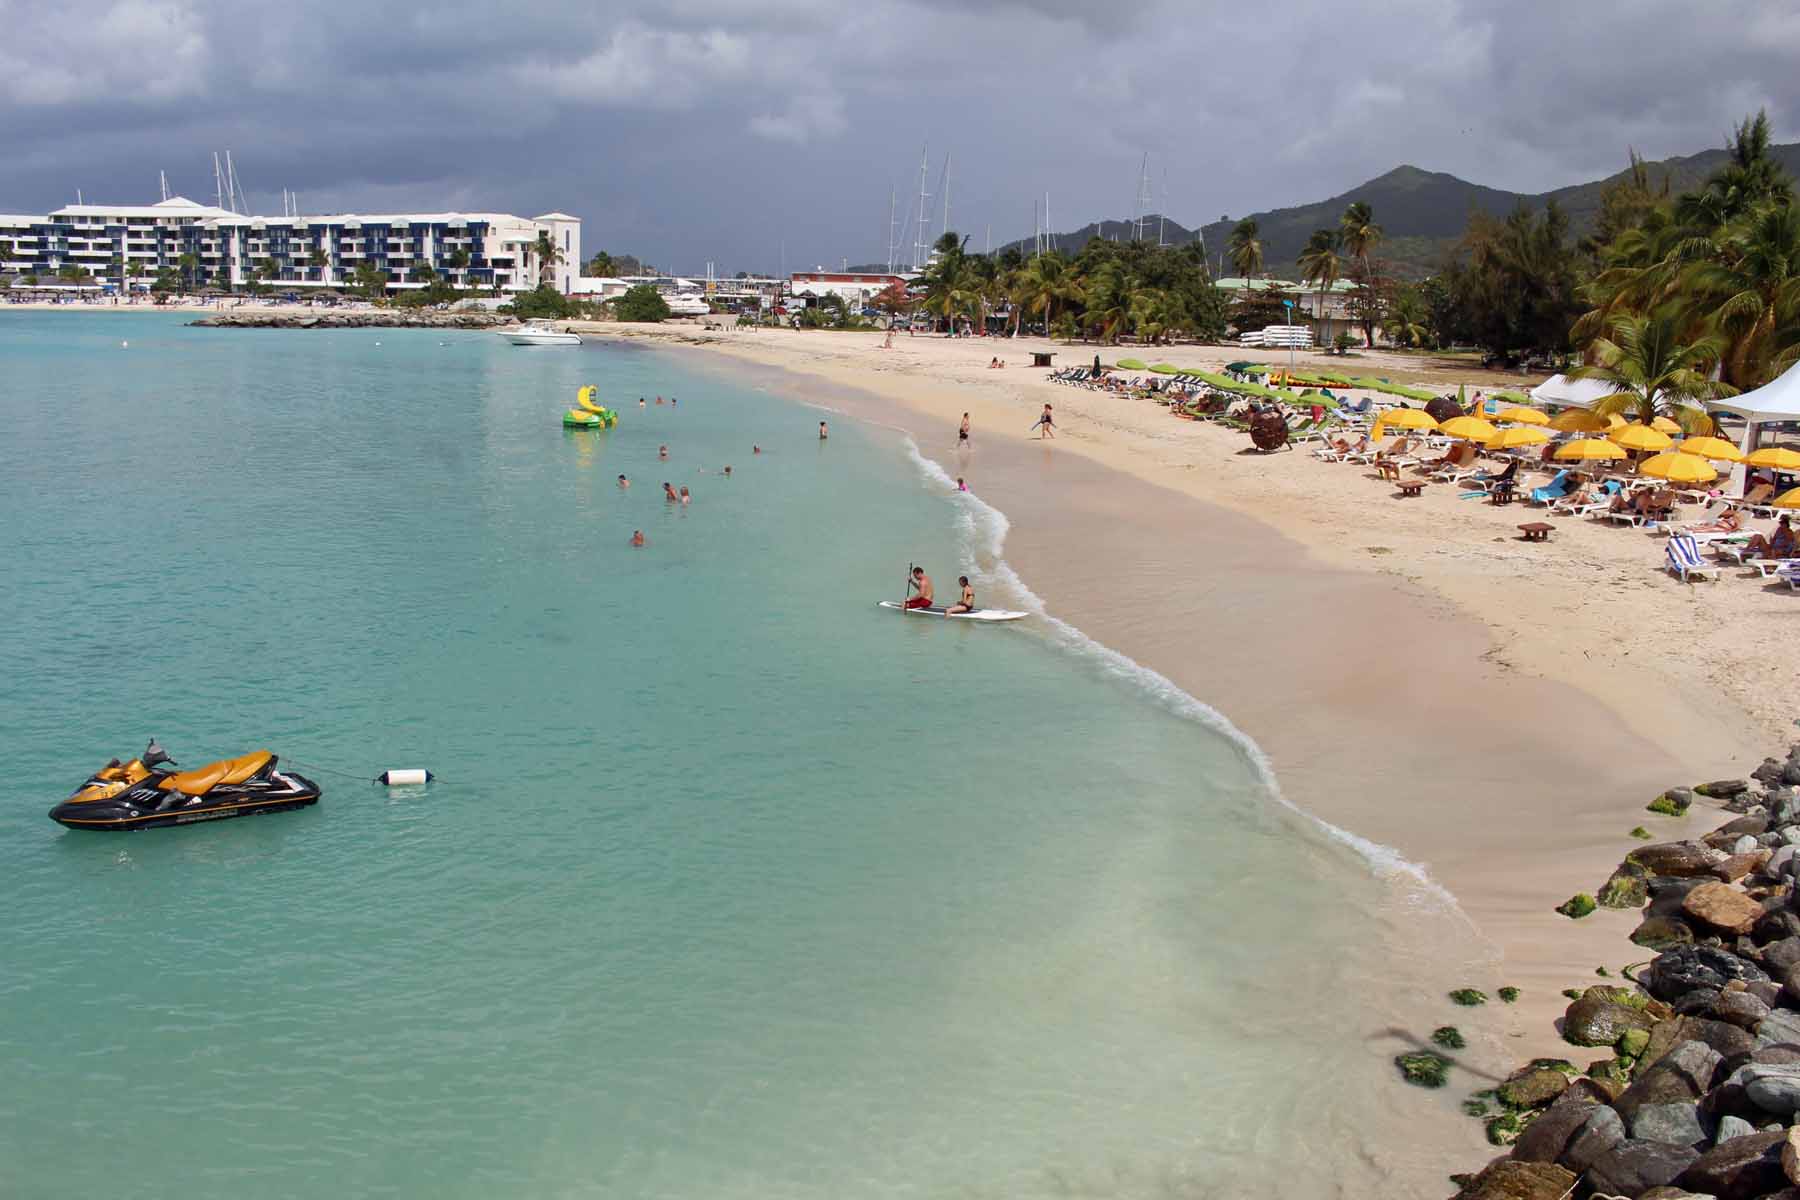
<point x="962" y="433"/>
<point x="1046" y="425"/>
<point x="967" y="603"/>
<point x="921" y="582"/>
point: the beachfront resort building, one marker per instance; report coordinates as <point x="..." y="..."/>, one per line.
<point x="1328" y="316"/>
<point x="853" y="287"/>
<point x="295" y="253"/>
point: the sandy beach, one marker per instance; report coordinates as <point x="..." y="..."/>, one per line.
<point x="1495" y="711"/>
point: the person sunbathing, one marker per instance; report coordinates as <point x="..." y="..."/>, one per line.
<point x="1728" y="522"/>
<point x="1780" y="544"/>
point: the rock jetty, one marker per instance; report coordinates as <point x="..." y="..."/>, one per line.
<point x="374" y="318"/>
<point x="1699" y="1093"/>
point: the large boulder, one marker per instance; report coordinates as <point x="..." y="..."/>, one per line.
<point x="1676" y="1122"/>
<point x="1663" y="933"/>
<point x="1790" y="1155"/>
<point x="1741" y="1169"/>
<point x="1780" y="955"/>
<point x="1740" y="1008"/>
<point x="1627" y="888"/>
<point x="1675" y="858"/>
<point x="1602" y="1130"/>
<point x="1602" y="1014"/>
<point x="1721" y="908"/>
<point x="1780" y="1028"/>
<point x="1723" y="789"/>
<point x="1740" y="864"/>
<point x="1681" y="1076"/>
<point x="1727" y="1040"/>
<point x="1633" y="1167"/>
<point x="1532" y="1087"/>
<point x="1685" y="968"/>
<point x="1772" y="1087"/>
<point x="1546" y="1138"/>
<point x="1509" y="1179"/>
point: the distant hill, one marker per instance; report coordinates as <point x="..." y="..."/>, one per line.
<point x="1422" y="213"/>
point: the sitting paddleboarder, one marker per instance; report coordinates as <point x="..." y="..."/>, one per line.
<point x="967" y="603"/>
<point x="922" y="582"/>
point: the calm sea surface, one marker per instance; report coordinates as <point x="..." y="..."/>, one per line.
<point x="732" y="884"/>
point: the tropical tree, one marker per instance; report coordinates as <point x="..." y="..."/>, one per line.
<point x="369" y="281"/>
<point x="544" y="251"/>
<point x="1320" y="264"/>
<point x="1517" y="287"/>
<point x="602" y="266"/>
<point x="318" y="260"/>
<point x="422" y="272"/>
<point x="1359" y="234"/>
<point x="893" y="300"/>
<point x="190" y="267"/>
<point x="458" y="261"/>
<point x="1245" y="249"/>
<point x="641" y="303"/>
<point x="1043" y="282"/>
<point x="1655" y="371"/>
<point x="1407" y="317"/>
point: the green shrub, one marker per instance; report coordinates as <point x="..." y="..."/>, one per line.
<point x="1508" y="995"/>
<point x="1468" y="997"/>
<point x="1449" y="1037"/>
<point x="641" y="303"/>
<point x="1424" y="1069"/>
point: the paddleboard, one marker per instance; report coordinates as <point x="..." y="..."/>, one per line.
<point x="979" y="614"/>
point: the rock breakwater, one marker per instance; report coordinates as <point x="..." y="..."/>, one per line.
<point x="1699" y="1095"/>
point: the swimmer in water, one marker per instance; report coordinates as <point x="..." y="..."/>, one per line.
<point x="756" y="449"/>
<point x="960" y="485"/>
<point x="669" y="492"/>
<point x="728" y="472"/>
<point x="659" y="399"/>
<point x="640" y="402"/>
<point x="823" y="434"/>
<point x="662" y="452"/>
<point x="684" y="494"/>
<point x="624" y="482"/>
<point x="637" y="537"/>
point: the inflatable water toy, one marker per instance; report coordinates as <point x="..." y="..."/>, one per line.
<point x="587" y="414"/>
<point x="147" y="792"/>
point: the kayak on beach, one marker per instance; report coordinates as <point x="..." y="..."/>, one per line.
<point x="979" y="614"/>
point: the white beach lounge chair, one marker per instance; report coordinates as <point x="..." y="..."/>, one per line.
<point x="1683" y="556"/>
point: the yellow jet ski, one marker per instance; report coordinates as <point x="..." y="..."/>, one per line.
<point x="148" y="791"/>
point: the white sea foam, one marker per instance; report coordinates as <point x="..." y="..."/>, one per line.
<point x="983" y="529"/>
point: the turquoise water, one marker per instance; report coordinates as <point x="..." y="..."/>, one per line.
<point x="732" y="884"/>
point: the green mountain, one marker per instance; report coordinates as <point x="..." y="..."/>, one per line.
<point x="1422" y="213"/>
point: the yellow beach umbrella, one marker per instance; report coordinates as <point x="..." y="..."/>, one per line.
<point x="1641" y="437"/>
<point x="1717" y="449"/>
<point x="1586" y="449"/>
<point x="1787" y="499"/>
<point x="1519" y="435"/>
<point x="1403" y="418"/>
<point x="1519" y="415"/>
<point x="1779" y="458"/>
<point x="1470" y="429"/>
<point x="1577" y="420"/>
<point x="1678" y="468"/>
<point x="1665" y="425"/>
<point x="1615" y="421"/>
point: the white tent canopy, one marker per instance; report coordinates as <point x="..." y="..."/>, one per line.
<point x="1777" y="400"/>
<point x="1571" y="393"/>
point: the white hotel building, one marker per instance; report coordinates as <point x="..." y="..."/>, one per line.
<point x="308" y="253"/>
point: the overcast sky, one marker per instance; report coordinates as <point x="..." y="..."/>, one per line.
<point x="688" y="130"/>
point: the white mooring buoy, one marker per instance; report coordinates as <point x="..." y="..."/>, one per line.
<point x="409" y="775"/>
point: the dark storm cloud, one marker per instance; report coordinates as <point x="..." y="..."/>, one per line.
<point x="745" y="132"/>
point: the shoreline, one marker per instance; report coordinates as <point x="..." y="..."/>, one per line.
<point x="1431" y="723"/>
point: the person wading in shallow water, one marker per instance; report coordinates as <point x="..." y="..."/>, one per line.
<point x="962" y="433"/>
<point x="922" y="582"/>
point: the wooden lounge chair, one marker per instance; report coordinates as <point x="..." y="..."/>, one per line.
<point x="1454" y="465"/>
<point x="1755" y="501"/>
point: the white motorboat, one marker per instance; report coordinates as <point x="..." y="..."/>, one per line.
<point x="540" y="333"/>
<point x="687" y="304"/>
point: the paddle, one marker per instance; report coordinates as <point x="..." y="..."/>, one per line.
<point x="906" y="592"/>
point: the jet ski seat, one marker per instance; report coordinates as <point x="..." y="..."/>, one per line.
<point x="202" y="780"/>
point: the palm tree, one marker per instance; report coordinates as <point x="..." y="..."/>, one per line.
<point x="189" y="264"/>
<point x="458" y="262"/>
<point x="1045" y="280"/>
<point x="1654" y="372"/>
<point x="547" y="255"/>
<point x="1108" y="302"/>
<point x="1406" y="319"/>
<point x="602" y="265"/>
<point x="1359" y="234"/>
<point x="318" y="260"/>
<point x="1245" y="249"/>
<point x="1320" y="264"/>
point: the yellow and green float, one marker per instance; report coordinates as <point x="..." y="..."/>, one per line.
<point x="587" y="414"/>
